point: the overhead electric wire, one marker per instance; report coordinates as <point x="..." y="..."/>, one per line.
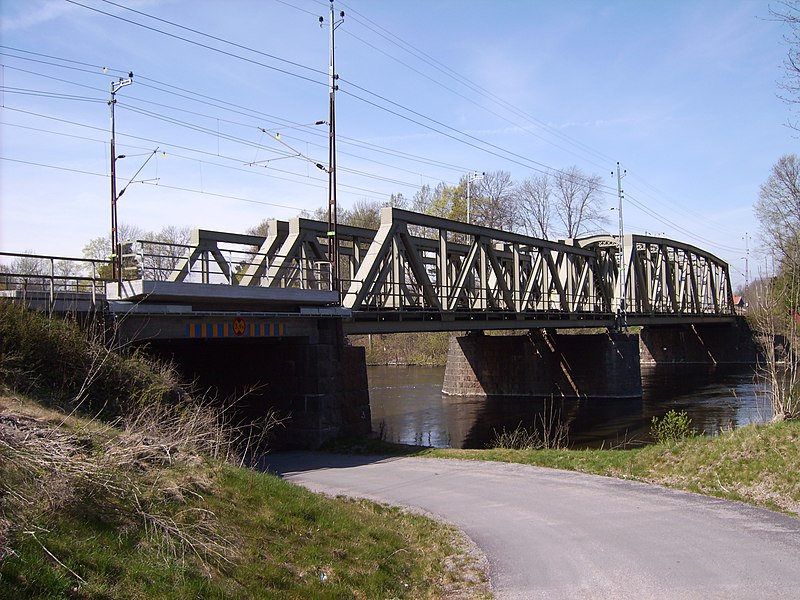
<point x="67" y="60"/>
<point x="45" y="94"/>
<point x="463" y="80"/>
<point x="200" y="44"/>
<point x="467" y="98"/>
<point x="665" y="221"/>
<point x="494" y="151"/>
<point x="522" y="160"/>
<point x="252" y="113"/>
<point x="50" y="131"/>
<point x="361" y="190"/>
<point x="218" y="39"/>
<point x="37" y="164"/>
<point x="541" y="165"/>
<point x="217" y="133"/>
<point x="685" y="210"/>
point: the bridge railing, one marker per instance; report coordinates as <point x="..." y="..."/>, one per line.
<point x="228" y="259"/>
<point x="46" y="277"/>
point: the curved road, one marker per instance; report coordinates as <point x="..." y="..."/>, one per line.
<point x="558" y="534"/>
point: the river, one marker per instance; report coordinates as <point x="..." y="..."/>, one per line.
<point x="408" y="407"/>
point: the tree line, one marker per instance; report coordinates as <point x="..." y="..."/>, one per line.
<point x="560" y="204"/>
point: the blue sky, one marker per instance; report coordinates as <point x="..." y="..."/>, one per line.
<point x="682" y="93"/>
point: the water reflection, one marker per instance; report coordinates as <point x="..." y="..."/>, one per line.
<point x="408" y="406"/>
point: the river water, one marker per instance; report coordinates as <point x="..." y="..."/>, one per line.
<point x="408" y="407"/>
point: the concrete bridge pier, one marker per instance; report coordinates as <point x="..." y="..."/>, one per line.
<point x="544" y="363"/>
<point x="709" y="344"/>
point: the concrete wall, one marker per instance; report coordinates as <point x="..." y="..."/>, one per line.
<point x="544" y="363"/>
<point x="319" y="386"/>
<point x="699" y="344"/>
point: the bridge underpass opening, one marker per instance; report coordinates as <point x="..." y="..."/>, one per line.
<point x="318" y="389"/>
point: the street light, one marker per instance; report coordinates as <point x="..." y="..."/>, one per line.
<point x="474" y="176"/>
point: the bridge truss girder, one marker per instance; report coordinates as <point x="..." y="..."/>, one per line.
<point x="423" y="263"/>
<point x="419" y="268"/>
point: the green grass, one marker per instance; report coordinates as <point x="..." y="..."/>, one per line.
<point x="757" y="464"/>
<point x="149" y="508"/>
<point x="275" y="539"/>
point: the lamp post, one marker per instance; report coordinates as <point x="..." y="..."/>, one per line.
<point x="474" y="176"/>
<point x="116" y="259"/>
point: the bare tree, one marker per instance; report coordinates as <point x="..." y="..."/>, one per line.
<point x="29" y="273"/>
<point x="577" y="200"/>
<point x="162" y="251"/>
<point x="493" y="202"/>
<point x="788" y="11"/>
<point x="159" y="257"/>
<point x="778" y="211"/>
<point x="535" y="205"/>
<point x="261" y="229"/>
<point x="364" y="213"/>
<point x="777" y="315"/>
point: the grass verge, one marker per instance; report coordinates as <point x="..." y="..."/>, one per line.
<point x="757" y="464"/>
<point x="169" y="523"/>
<point x="117" y="482"/>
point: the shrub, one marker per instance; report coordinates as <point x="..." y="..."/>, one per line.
<point x="518" y="439"/>
<point x="672" y="427"/>
<point x="70" y="366"/>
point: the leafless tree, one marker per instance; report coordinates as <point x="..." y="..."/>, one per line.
<point x="364" y="213"/>
<point x="778" y="211"/>
<point x="788" y="11"/>
<point x="776" y="314"/>
<point x="162" y="251"/>
<point x="493" y="201"/>
<point x="577" y="200"/>
<point x="534" y="200"/>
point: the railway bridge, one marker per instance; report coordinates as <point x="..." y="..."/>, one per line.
<point x="268" y="309"/>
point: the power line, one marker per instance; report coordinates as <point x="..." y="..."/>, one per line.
<point x="220" y="104"/>
<point x="466" y="97"/>
<point x="463" y="80"/>
<point x="524" y="159"/>
<point x="215" y="38"/>
<point x="352" y="188"/>
<point x="517" y="159"/>
<point x="677" y="227"/>
<point x="196" y="43"/>
<point x="37" y="164"/>
<point x="43" y="94"/>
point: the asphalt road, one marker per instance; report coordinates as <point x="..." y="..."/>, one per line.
<point x="557" y="534"/>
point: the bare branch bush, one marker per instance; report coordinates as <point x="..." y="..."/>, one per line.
<point x="778" y="336"/>
<point x="119" y="477"/>
<point x="549" y="432"/>
<point x="149" y="462"/>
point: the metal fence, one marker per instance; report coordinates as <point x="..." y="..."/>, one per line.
<point x="52" y="277"/>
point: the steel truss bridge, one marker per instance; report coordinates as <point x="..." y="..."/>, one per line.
<point x="423" y="273"/>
